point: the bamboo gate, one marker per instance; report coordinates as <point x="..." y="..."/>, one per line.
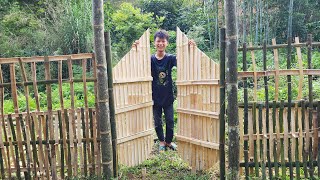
<point x="279" y="139"/>
<point x="41" y="139"/>
<point x="198" y="105"/>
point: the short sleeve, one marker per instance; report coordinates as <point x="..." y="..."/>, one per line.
<point x="174" y="60"/>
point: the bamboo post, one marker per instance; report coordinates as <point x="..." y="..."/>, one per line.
<point x="275" y="154"/>
<point x="267" y="106"/>
<point x="103" y="114"/>
<point x="318" y="120"/>
<point x="245" y="118"/>
<point x="309" y="45"/>
<point x="232" y="89"/>
<point x="26" y="92"/>
<point x="16" y="146"/>
<point x="111" y="102"/>
<point x="4" y="136"/>
<point x="283" y="164"/>
<point x="222" y="102"/>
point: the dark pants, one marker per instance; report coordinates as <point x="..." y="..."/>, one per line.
<point x="157" y="116"/>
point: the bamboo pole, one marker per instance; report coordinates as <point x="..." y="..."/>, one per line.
<point x="311" y="170"/>
<point x="111" y="103"/>
<point x="318" y="119"/>
<point x="4" y="136"/>
<point x="103" y="114"/>
<point x="16" y="146"/>
<point x="267" y="106"/>
<point x="233" y="130"/>
<point x="289" y="54"/>
<point x="245" y="99"/>
<point x="222" y="103"/>
<point x="275" y="154"/>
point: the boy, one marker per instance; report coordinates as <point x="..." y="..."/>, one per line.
<point x="162" y="93"/>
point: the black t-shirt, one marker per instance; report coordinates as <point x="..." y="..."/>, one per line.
<point x="162" y="93"/>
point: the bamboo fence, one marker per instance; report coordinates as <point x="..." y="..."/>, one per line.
<point x="279" y="138"/>
<point x="59" y="142"/>
<point x="198" y="105"/>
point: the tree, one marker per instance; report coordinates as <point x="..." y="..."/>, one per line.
<point x="232" y="89"/>
<point x="128" y="24"/>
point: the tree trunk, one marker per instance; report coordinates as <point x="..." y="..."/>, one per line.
<point x="216" y="25"/>
<point x="103" y="115"/>
<point x="232" y="89"/>
<point x="257" y="23"/>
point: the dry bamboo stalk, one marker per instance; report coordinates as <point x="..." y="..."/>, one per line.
<point x="44" y="125"/>
<point x="84" y="135"/>
<point x="7" y="161"/>
<point x="26" y="134"/>
<point x="276" y="65"/>
<point x="37" y="131"/>
<point x="35" y="87"/>
<point x="73" y="136"/>
<point x="17" y="160"/>
<point x="255" y="74"/>
<point x="97" y="109"/>
<point x="79" y="142"/>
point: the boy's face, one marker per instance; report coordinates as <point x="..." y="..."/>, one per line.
<point x="160" y="44"/>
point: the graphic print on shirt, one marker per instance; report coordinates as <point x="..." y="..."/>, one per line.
<point x="163" y="76"/>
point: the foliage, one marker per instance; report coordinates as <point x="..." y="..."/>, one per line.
<point x="21" y="33"/>
<point x="168" y="9"/>
<point x="128" y="25"/>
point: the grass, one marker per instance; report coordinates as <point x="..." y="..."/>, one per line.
<point x="165" y="165"/>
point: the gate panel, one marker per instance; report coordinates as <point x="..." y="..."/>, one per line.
<point x="133" y="101"/>
<point x="198" y="105"/>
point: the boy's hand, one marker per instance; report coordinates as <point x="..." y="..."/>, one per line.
<point x="192" y="42"/>
<point x="136" y="43"/>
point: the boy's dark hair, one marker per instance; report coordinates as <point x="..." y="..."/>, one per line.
<point x="162" y="34"/>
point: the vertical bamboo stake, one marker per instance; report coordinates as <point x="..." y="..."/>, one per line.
<point x="275" y="154"/>
<point x="92" y="142"/>
<point x="276" y="65"/>
<point x="298" y="125"/>
<point x="111" y="103"/>
<point x="4" y="137"/>
<point x="256" y="142"/>
<point x="34" y="149"/>
<point x="49" y="105"/>
<point x="289" y="36"/>
<point x="16" y="146"/>
<point x="27" y="140"/>
<point x="283" y="163"/>
<point x="67" y="136"/>
<point x="26" y="92"/>
<point x="62" y="144"/>
<point x="72" y="114"/>
<point x="266" y="106"/>
<point x="318" y="120"/>
<point x="103" y="95"/>
<point x="245" y="99"/>
<point x="304" y="152"/>
<point x="222" y="102"/>
<point x="86" y="108"/>
<point x="232" y="89"/>
<point x="309" y="45"/>
<point x="97" y="110"/>
<point x="84" y="134"/>
<point x="261" y="154"/>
